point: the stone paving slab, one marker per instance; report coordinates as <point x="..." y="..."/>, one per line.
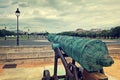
<point x="31" y="73"/>
<point x="22" y="74"/>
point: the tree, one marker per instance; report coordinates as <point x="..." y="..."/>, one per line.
<point x="105" y="33"/>
<point x="4" y="33"/>
<point x="115" y="32"/>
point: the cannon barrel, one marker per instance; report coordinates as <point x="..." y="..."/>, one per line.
<point x="91" y="54"/>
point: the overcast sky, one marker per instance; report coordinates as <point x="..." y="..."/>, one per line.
<point x="60" y="15"/>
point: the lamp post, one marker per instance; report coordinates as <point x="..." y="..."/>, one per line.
<point x="17" y="13"/>
<point x="5" y="33"/>
<point x="28" y="33"/>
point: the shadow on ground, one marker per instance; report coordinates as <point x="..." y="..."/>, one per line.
<point x="9" y="66"/>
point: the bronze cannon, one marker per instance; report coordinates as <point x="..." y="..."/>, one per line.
<point x="91" y="54"/>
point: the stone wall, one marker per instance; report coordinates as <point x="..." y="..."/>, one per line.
<point x="42" y="53"/>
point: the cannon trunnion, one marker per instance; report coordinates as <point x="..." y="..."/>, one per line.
<point x="91" y="54"/>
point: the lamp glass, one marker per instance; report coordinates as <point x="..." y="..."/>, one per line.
<point x="17" y="12"/>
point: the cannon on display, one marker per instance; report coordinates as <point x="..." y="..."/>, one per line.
<point x="91" y="54"/>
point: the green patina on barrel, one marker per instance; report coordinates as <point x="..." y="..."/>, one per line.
<point x="91" y="54"/>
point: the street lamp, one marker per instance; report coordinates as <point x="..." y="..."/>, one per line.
<point x="17" y="13"/>
<point x="28" y="33"/>
<point x="5" y="33"/>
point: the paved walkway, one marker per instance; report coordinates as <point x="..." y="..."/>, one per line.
<point x="31" y="71"/>
<point x="27" y="71"/>
<point x="24" y="42"/>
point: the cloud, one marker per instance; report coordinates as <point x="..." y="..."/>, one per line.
<point x="60" y="15"/>
<point x="4" y="4"/>
<point x="23" y="4"/>
<point x="14" y="2"/>
<point x="46" y="12"/>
